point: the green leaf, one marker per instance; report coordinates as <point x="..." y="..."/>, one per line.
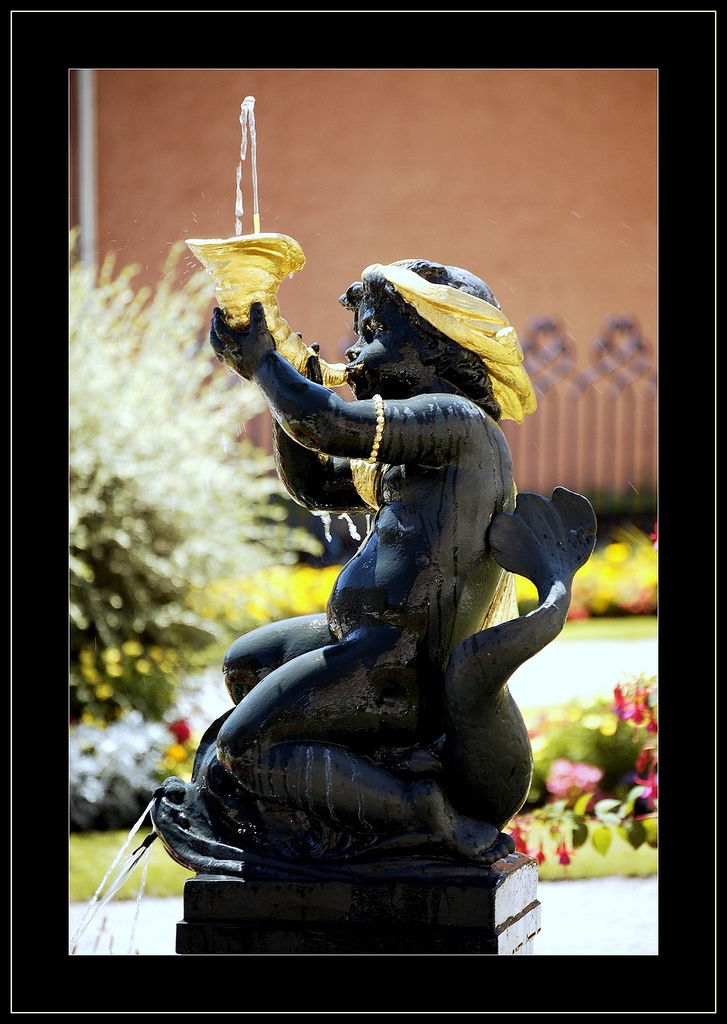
<point x="633" y="832"/>
<point x="628" y="805"/>
<point x="601" y="838"/>
<point x="651" y="830"/>
<point x="580" y="834"/>
<point x="581" y="803"/>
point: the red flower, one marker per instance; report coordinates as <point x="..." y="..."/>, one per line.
<point x="180" y="730"/>
<point x="651" y="792"/>
<point x="564" y="854"/>
<point x="646" y="759"/>
<point x="634" y="706"/>
<point x="518" y="835"/>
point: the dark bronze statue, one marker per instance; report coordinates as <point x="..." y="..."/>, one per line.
<point x="381" y="737"/>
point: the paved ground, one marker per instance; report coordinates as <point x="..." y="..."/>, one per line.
<point x="581" y="668"/>
<point x="605" y="916"/>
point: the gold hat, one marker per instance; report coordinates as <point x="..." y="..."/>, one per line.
<point x="475" y="324"/>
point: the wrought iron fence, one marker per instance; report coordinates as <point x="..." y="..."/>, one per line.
<point x="595" y="429"/>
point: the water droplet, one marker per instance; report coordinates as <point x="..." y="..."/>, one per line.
<point x="329" y="784"/>
<point x="325" y="518"/>
<point x="126" y="868"/>
<point x="351" y="526"/>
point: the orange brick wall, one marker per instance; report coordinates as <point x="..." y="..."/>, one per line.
<point x="541" y="182"/>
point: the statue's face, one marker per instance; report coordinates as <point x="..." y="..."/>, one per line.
<point x="387" y="358"/>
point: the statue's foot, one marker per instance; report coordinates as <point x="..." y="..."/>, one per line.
<point x="480" y="842"/>
<point x="470" y="838"/>
<point x="503" y="847"/>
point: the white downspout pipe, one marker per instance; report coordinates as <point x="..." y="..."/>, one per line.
<point x="86" y="182"/>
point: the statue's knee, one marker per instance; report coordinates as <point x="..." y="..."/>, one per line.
<point x="239" y="681"/>
<point x="239" y="654"/>
<point x="235" y="746"/>
<point x="243" y="669"/>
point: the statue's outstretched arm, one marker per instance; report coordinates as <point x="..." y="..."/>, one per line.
<point x="422" y="428"/>
<point x="309" y="413"/>
<point x="305" y="415"/>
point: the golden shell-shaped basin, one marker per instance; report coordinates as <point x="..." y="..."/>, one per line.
<point x="251" y="268"/>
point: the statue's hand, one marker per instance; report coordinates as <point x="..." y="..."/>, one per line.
<point x="241" y="350"/>
<point x="313" y="366"/>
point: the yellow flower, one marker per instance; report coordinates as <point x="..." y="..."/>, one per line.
<point x="176" y="753"/>
<point x="609" y="727"/>
<point x="599" y="604"/>
<point x="617" y="552"/>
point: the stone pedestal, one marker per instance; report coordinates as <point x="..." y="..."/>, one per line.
<point x="227" y="915"/>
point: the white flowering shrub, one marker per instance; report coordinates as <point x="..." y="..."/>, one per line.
<point x="114" y="772"/>
<point x="166" y="495"/>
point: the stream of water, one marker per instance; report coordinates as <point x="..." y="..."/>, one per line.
<point x="120" y="871"/>
<point x="247" y="124"/>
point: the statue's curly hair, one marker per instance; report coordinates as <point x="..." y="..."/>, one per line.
<point x="457" y="365"/>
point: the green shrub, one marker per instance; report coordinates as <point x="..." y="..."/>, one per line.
<point x="588" y="734"/>
<point x="595" y="776"/>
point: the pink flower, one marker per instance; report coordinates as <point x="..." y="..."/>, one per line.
<point x="568" y="780"/>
